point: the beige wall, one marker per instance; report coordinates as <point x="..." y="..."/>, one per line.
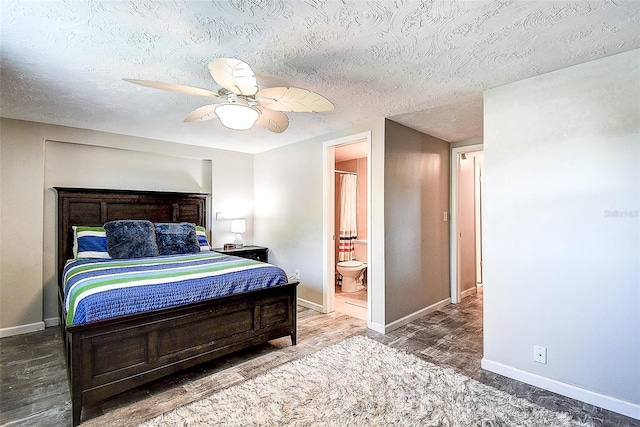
<point x="77" y="165"/>
<point x="290" y="213"/>
<point x="289" y="210"/>
<point x="361" y="170"/>
<point x="289" y="192"/>
<point x="562" y="231"/>
<point x="467" y="221"/>
<point x="69" y="155"/>
<point x="416" y="189"/>
<point x="281" y="192"/>
<point x="21" y="228"/>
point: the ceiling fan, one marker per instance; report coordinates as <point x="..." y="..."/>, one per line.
<point x="239" y="104"/>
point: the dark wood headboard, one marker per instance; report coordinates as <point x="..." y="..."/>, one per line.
<point x="94" y="207"/>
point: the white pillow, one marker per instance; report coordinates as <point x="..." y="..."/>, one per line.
<point x="202" y="238"/>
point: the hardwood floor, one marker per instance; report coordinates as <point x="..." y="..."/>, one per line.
<point x="34" y="389"/>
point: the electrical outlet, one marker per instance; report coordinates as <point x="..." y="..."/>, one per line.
<point x="296" y="275"/>
<point x="540" y="354"/>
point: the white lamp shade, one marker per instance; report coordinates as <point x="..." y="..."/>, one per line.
<point x="238" y="225"/>
<point x="237" y="116"/>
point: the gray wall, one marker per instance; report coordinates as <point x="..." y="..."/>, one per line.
<point x="416" y="188"/>
<point x="562" y="230"/>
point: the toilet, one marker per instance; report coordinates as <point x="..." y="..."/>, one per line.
<point x="352" y="272"/>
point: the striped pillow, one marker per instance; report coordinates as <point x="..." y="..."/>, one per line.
<point x="89" y="242"/>
<point x="202" y="238"/>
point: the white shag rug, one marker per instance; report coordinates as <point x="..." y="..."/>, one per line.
<point x="360" y="382"/>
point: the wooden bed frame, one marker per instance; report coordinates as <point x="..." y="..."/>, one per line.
<point x="107" y="357"/>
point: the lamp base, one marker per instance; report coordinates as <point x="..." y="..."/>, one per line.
<point x="237" y="242"/>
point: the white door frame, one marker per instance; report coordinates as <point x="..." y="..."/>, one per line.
<point x="454" y="247"/>
<point x="328" y="221"/>
<point x="478" y="209"/>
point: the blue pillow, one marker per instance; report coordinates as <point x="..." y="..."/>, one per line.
<point x="202" y="238"/>
<point x="131" y="238"/>
<point x="176" y="238"/>
<point x="89" y="242"/>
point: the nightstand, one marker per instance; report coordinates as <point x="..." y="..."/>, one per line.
<point x="259" y="253"/>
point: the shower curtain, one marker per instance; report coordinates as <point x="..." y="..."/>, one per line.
<point x="348" y="225"/>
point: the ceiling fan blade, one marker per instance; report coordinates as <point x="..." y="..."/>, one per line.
<point x="234" y="75"/>
<point x="201" y="114"/>
<point x="293" y="99"/>
<point x="189" y="90"/>
<point x="275" y="121"/>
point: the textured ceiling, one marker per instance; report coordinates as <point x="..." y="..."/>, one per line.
<point x="421" y="63"/>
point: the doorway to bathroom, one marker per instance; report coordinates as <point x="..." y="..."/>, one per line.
<point x="347" y="282"/>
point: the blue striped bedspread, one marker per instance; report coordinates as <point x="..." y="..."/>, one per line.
<point x="98" y="289"/>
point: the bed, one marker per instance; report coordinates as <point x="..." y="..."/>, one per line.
<point x="109" y="355"/>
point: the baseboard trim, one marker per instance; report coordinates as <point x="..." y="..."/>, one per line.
<point x="468" y="292"/>
<point x="22" y="329"/>
<point x="415" y="315"/>
<point x="311" y="305"/>
<point x="607" y="402"/>
<point x="53" y="321"/>
<point x="376" y="327"/>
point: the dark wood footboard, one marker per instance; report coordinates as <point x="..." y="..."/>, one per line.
<point x="109" y="357"/>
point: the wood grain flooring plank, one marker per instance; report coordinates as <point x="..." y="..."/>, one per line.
<point x="34" y="389"/>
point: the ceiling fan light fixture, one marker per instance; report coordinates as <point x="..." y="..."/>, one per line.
<point x="237" y="116"/>
<point x="239" y="104"/>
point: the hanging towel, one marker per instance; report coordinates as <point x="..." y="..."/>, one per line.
<point x="348" y="210"/>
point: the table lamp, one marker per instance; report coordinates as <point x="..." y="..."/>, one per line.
<point x="238" y="226"/>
